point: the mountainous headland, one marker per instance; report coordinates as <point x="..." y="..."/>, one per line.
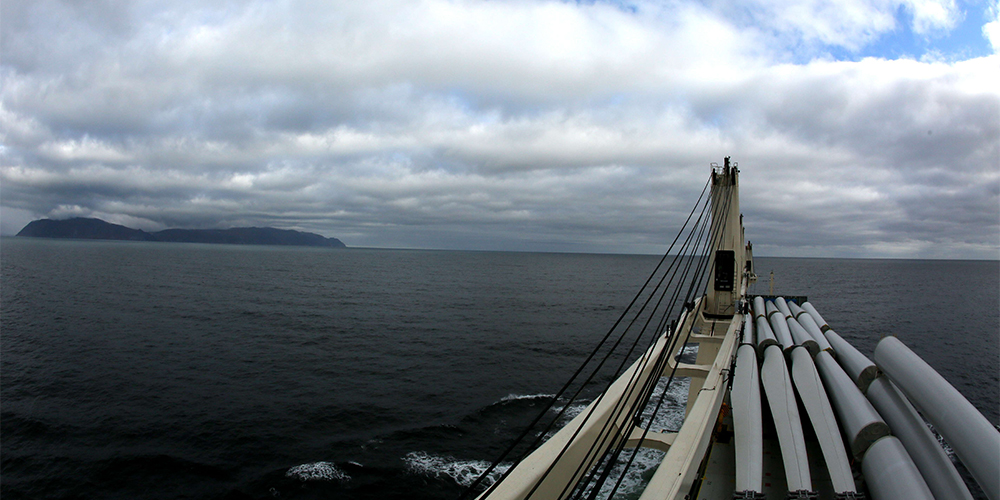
<point x="97" y="229"/>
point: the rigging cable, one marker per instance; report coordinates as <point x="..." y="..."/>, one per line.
<point x="479" y="480"/>
<point x="704" y="265"/>
<point x="604" y="434"/>
<point x="640" y="403"/>
<point x="621" y="404"/>
<point x="637" y="406"/>
<point x="593" y="405"/>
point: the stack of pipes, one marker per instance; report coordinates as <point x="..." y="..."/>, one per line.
<point x="801" y="350"/>
<point x="781" y="398"/>
<point x="875" y="406"/>
<point x="900" y="457"/>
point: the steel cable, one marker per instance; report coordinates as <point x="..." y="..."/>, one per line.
<point x="471" y="489"/>
<point x="619" y="410"/>
<point x="609" y="459"/>
<point x="701" y="272"/>
<point x="595" y="403"/>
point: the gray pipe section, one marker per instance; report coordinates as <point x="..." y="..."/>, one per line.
<point x="747" y="421"/>
<point x="857" y="365"/>
<point x="861" y="424"/>
<point x="765" y="336"/>
<point x="930" y="459"/>
<point x="758" y="307"/>
<point x="801" y="337"/>
<point x="890" y="473"/>
<point x="816" y="317"/>
<point x="824" y="422"/>
<point x="807" y="323"/>
<point x="779" y="326"/>
<point x="796" y="310"/>
<point x="974" y="439"/>
<point x="782" y="306"/>
<point x="785" y="412"/>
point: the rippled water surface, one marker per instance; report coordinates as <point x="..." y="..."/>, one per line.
<point x="144" y="370"/>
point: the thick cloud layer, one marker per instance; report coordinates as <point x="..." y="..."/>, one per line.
<point x="523" y="125"/>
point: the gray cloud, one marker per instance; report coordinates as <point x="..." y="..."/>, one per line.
<point x="495" y="125"/>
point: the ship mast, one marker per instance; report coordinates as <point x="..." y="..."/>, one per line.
<point x="726" y="278"/>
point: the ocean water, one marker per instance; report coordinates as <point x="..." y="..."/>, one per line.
<point x="146" y="370"/>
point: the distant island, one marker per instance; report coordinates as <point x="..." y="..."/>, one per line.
<point x="97" y="229"/>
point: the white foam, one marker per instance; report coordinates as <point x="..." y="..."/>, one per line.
<point x="517" y="397"/>
<point x="636" y="477"/>
<point x="317" y="471"/>
<point x="944" y="444"/>
<point x="571" y="411"/>
<point x="671" y="414"/>
<point x="669" y="418"/>
<point x="689" y="351"/>
<point x="463" y="472"/>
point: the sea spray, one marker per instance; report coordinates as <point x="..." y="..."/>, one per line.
<point x="463" y="472"/>
<point x="317" y="471"/>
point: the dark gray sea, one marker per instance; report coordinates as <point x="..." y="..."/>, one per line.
<point x="167" y="371"/>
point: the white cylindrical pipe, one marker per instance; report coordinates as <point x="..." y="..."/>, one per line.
<point x="758" y="307"/>
<point x="810" y="326"/>
<point x="765" y="336"/>
<point x="823" y="326"/>
<point x="824" y="421"/>
<point x="801" y="337"/>
<point x="796" y="310"/>
<point x="861" y="424"/>
<point x="747" y="422"/>
<point x="857" y="365"/>
<point x="779" y="326"/>
<point x="974" y="439"/>
<point x="782" y="306"/>
<point x="933" y="463"/>
<point x="787" y="424"/>
<point x="891" y="474"/>
<point x="807" y="323"/>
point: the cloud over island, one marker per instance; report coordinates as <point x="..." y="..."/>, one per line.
<point x="861" y="128"/>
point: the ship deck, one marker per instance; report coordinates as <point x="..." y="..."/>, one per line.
<point x="719" y="479"/>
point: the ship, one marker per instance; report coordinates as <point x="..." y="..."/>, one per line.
<point x="779" y="405"/>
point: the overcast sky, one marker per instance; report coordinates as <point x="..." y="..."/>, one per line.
<point x="863" y="128"/>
